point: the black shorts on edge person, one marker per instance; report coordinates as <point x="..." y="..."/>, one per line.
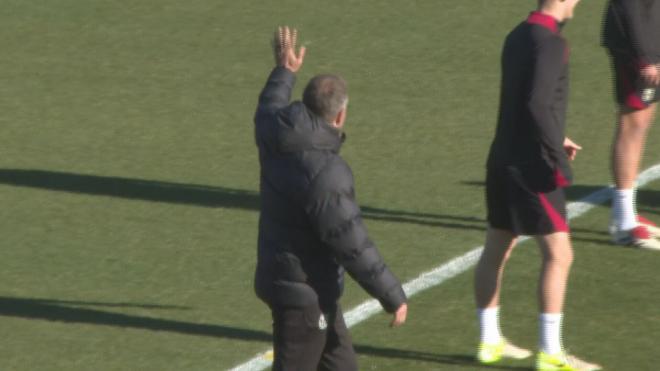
<point x="514" y="206"/>
<point x="631" y="90"/>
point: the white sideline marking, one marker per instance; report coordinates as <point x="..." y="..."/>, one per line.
<point x="452" y="268"/>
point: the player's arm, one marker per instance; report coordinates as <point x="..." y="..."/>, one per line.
<point x="642" y="36"/>
<point x="548" y="64"/>
<point x="336" y="217"/>
<point x="277" y="92"/>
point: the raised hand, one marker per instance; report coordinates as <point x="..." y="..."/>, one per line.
<point x="284" y="49"/>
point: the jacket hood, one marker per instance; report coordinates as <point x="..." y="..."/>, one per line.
<point x="299" y="129"/>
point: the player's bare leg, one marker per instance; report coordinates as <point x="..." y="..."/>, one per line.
<point x="488" y="274"/>
<point x="487" y="283"/>
<point x="627" y="150"/>
<point x="629" y="143"/>
<point x="557" y="260"/>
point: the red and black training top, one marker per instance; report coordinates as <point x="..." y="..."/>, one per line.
<point x="632" y="30"/>
<point x="533" y="102"/>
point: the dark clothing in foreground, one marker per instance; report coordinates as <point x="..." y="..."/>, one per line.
<point x="527" y="154"/>
<point x="632" y="29"/>
<point x="631" y="35"/>
<point x="630" y="89"/>
<point x="513" y="206"/>
<point x="310" y="225"/>
<point x="301" y="344"/>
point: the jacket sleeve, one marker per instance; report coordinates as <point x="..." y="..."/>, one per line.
<point x="337" y="220"/>
<point x="639" y="23"/>
<point x="277" y="92"/>
<point x="548" y="64"/>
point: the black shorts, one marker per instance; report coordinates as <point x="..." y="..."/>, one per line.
<point x="631" y="90"/>
<point x="308" y="339"/>
<point x="514" y="205"/>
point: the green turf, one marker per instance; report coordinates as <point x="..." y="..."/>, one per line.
<point x="128" y="178"/>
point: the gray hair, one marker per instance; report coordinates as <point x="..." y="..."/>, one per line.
<point x="326" y="96"/>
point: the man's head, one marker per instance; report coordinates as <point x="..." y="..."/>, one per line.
<point x="562" y="10"/>
<point x="327" y="96"/>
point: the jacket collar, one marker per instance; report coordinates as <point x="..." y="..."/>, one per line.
<point x="543" y="20"/>
<point x="299" y="129"/>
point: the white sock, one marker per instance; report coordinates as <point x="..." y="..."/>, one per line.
<point x="623" y="209"/>
<point x="489" y="321"/>
<point x="550" y="324"/>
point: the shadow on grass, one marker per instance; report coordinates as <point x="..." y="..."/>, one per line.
<point x="135" y="189"/>
<point x="70" y="312"/>
<point x="199" y="195"/>
<point x="461" y="361"/>
<point x="66" y="311"/>
<point x="98" y="304"/>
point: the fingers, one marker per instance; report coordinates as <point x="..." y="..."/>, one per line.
<point x="572" y="150"/>
<point x="276" y="40"/>
<point x="282" y="39"/>
<point x="287" y="38"/>
<point x="293" y="40"/>
<point x="301" y="54"/>
<point x="285" y="41"/>
<point x="400" y="316"/>
<point x="399" y="319"/>
<point x="568" y="143"/>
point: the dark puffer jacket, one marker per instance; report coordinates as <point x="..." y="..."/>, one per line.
<point x="310" y="228"/>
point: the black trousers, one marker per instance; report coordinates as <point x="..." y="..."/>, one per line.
<point x="307" y="339"/>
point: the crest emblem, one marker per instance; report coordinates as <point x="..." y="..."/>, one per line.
<point x="648" y="94"/>
<point x="323" y="324"/>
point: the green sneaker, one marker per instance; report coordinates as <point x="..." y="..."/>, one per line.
<point x="492" y="353"/>
<point x="563" y="362"/>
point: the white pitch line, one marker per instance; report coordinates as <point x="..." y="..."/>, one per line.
<point x="452" y="268"/>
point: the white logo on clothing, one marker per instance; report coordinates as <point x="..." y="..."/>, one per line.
<point x="322" y="323"/>
<point x="648" y="94"/>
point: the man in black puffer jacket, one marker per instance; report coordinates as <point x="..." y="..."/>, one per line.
<point x="310" y="228"/>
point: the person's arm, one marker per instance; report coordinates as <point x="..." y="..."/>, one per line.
<point x="336" y="218"/>
<point x="548" y="64"/>
<point x="277" y="92"/>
